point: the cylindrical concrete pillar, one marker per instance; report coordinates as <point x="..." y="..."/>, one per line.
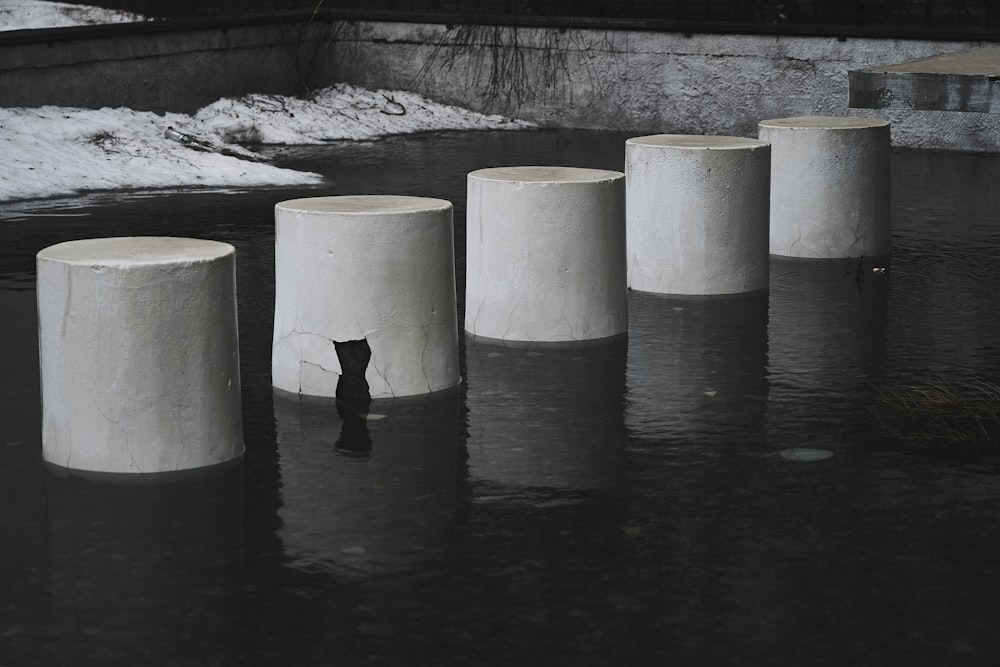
<point x="697" y="214"/>
<point x="365" y="289"/>
<point x="829" y="186"/>
<point x="546" y="254"/>
<point x="139" y="354"/>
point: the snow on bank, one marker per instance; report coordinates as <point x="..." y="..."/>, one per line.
<point x="50" y="151"/>
<point x="55" y="150"/>
<point x="33" y="14"/>
<point x="339" y="112"/>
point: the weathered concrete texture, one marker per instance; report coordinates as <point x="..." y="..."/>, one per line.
<point x="176" y="71"/>
<point x="967" y="81"/>
<point x="647" y="81"/>
<point x="545" y="254"/>
<point x="375" y="268"/>
<point x="697" y="212"/>
<point x="829" y="186"/>
<point x="139" y="354"/>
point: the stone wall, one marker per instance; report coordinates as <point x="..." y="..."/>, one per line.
<point x="146" y="68"/>
<point x="633" y="80"/>
<point x="647" y="82"/>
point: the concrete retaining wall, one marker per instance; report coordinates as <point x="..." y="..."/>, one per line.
<point x="642" y="81"/>
<point x="649" y="82"/>
<point x="153" y="70"/>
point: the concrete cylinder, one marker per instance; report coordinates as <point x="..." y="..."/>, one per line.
<point x="546" y="254"/>
<point x="375" y="271"/>
<point x="697" y="214"/>
<point x="139" y="354"/>
<point x="829" y="186"/>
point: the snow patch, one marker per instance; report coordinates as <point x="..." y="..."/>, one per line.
<point x="52" y="150"/>
<point x="56" y="150"/>
<point x="34" y="14"/>
<point x="341" y="111"/>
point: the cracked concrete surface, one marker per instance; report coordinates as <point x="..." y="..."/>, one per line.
<point x="146" y="379"/>
<point x="829" y="186"/>
<point x="697" y="214"/>
<point x="545" y="254"/>
<point x="377" y="268"/>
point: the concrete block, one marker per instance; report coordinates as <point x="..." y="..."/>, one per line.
<point x="697" y="212"/>
<point x="966" y="81"/>
<point x="829" y="186"/>
<point x="139" y="354"/>
<point x="365" y="290"/>
<point x="546" y="254"/>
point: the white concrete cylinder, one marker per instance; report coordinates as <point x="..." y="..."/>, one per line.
<point x="546" y="254"/>
<point x="139" y="354"/>
<point x="378" y="268"/>
<point x="829" y="186"/>
<point x="697" y="214"/>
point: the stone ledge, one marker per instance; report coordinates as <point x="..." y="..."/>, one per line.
<point x="966" y="81"/>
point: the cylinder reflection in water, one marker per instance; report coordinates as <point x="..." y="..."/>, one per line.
<point x="367" y="493"/>
<point x="545" y="417"/>
<point x="826" y="332"/>
<point x="146" y="572"/>
<point x="696" y="368"/>
<point x="24" y="589"/>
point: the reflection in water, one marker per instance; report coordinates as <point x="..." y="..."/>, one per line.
<point x="692" y="557"/>
<point x="367" y="493"/>
<point x="826" y="333"/>
<point x="545" y="417"/>
<point x="145" y="569"/>
<point x="696" y="368"/>
<point x="24" y="597"/>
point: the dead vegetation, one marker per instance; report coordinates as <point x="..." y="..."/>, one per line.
<point x="501" y="64"/>
<point x="940" y="415"/>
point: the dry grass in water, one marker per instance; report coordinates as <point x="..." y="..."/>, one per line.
<point x="940" y="415"/>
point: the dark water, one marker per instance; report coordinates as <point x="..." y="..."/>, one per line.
<point x="617" y="503"/>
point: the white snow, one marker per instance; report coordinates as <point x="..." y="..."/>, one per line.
<point x="49" y="151"/>
<point x="339" y="112"/>
<point x="32" y="14"/>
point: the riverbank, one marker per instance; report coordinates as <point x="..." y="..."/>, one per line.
<point x="644" y="81"/>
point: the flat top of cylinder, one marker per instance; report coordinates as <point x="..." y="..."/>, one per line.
<point x="532" y="174"/>
<point x="703" y="141"/>
<point x="136" y="251"/>
<point x="823" y="123"/>
<point x="362" y="204"/>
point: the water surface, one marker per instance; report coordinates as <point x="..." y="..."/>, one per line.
<point x="620" y="502"/>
